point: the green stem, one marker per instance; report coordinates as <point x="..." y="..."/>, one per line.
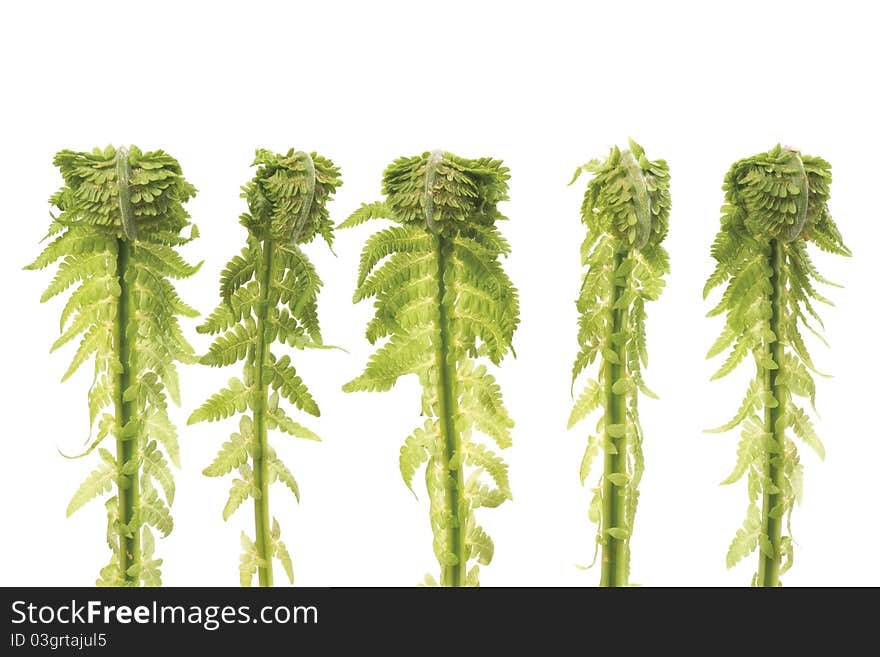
<point x="768" y="567"/>
<point x="128" y="496"/>
<point x="615" y="550"/>
<point x="261" y="392"/>
<point x="455" y="574"/>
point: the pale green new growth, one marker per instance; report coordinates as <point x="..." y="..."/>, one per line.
<point x="442" y="300"/>
<point x="121" y="217"/>
<point x="626" y="212"/>
<point x="269" y="295"/>
<point x="775" y="203"/>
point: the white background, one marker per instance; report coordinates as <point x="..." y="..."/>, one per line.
<point x="545" y="89"/>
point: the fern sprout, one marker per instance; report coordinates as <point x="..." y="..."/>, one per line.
<point x="442" y="303"/>
<point x="268" y="295"/>
<point x="775" y="203"/>
<point x="120" y="218"/>
<point x="626" y="212"/>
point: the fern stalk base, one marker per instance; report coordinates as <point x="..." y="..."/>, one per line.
<point x="262" y="522"/>
<point x="614" y="549"/>
<point x="771" y="515"/>
<point x="453" y="574"/>
<point x="126" y="444"/>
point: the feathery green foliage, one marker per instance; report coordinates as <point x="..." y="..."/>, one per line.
<point x="775" y="203"/>
<point x="443" y="300"/>
<point x="120" y="218"/>
<point x="268" y="295"/>
<point x="626" y="212"/>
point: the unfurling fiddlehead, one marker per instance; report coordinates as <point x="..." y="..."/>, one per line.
<point x="268" y="294"/>
<point x="775" y="203"/>
<point x="443" y="300"/>
<point x="121" y="217"/>
<point x="626" y="212"/>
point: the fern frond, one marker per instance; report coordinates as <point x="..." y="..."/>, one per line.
<point x="775" y="204"/>
<point x="121" y="217"/>
<point x="268" y="295"/>
<point x="442" y="299"/>
<point x="626" y="214"/>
